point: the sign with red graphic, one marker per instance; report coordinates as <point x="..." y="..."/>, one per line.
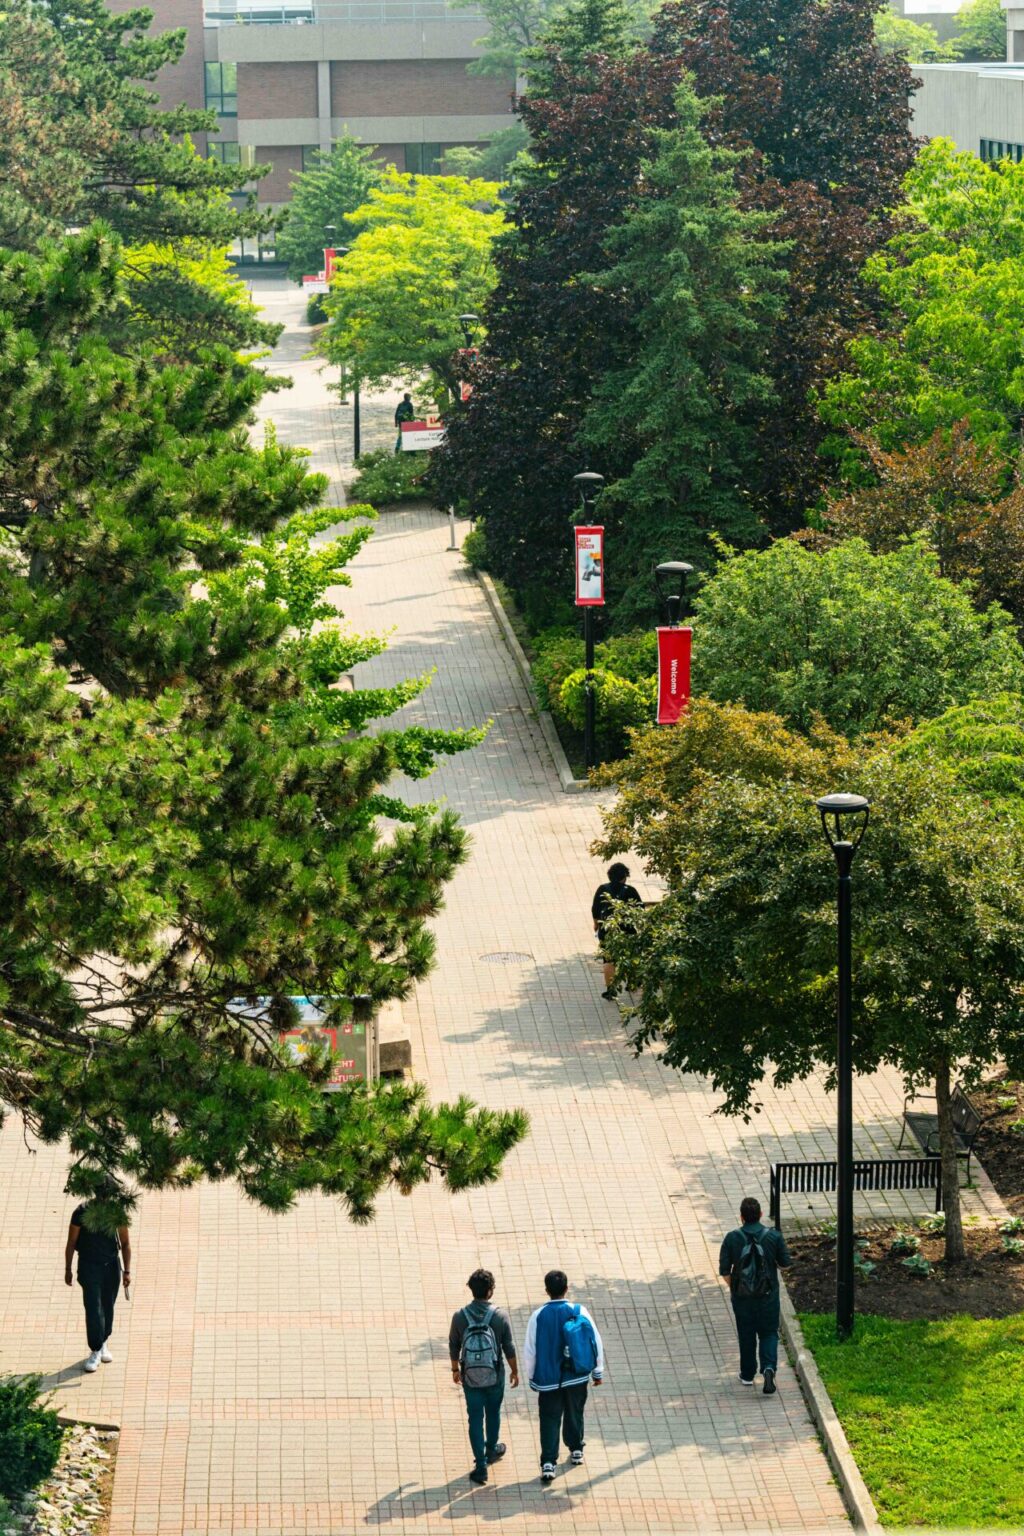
<point x="589" y="567"/>
<point x="674" y="650"/>
<point x="468" y="355"/>
<point x="420" y="435"/>
<point x="351" y="1045"/>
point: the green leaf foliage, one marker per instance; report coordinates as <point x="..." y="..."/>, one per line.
<point x="421" y="258"/>
<point x="953" y="345"/>
<point x="30" y="1437"/>
<point x="81" y="138"/>
<point x="983" y="744"/>
<point x="982" y="33"/>
<point x="704" y="283"/>
<point x="333" y="187"/>
<point x="190" y="811"/>
<point x="917" y="41"/>
<point x="861" y="640"/>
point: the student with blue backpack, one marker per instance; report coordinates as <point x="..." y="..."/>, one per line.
<point x="750" y="1259"/>
<point x="563" y="1353"/>
<point x="479" y="1336"/>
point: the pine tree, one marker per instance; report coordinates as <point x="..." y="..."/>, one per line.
<point x="81" y="138"/>
<point x="190" y="809"/>
<point x="704" y="282"/>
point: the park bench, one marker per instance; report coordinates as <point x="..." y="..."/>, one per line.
<point x="868" y="1173"/>
<point x="967" y="1122"/>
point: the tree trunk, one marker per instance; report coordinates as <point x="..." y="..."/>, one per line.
<point x="950" y="1167"/>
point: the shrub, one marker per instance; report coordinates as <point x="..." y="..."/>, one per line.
<point x="474" y="548"/>
<point x="619" y="705"/>
<point x="30" y="1437"/>
<point x="633" y="655"/>
<point x="556" y="653"/>
<point x="316" y="314"/>
<point x="386" y="478"/>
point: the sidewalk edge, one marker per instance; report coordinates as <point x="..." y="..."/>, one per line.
<point x="852" y="1486"/>
<point x="570" y="785"/>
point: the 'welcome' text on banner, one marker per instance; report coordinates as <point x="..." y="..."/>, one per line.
<point x="674" y="649"/>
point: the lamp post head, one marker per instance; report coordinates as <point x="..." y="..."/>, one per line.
<point x="848" y="815"/>
<point x="670" y="578"/>
<point x="589" y="484"/>
<point x="468" y="322"/>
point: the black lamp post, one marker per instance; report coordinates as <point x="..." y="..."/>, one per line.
<point x="844" y="820"/>
<point x="589" y="486"/>
<point x="343" y="250"/>
<point x="468" y="322"/>
<point x="671" y="576"/>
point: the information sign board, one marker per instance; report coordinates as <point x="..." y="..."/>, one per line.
<point x="589" y="567"/>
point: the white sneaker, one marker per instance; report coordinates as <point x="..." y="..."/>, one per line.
<point x="105" y="1355"/>
<point x="577" y="1458"/>
<point x="745" y="1382"/>
<point x="547" y="1472"/>
<point x="93" y="1362"/>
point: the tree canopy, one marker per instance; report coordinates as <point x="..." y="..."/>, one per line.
<point x="982" y="30"/>
<point x="81" y="138"/>
<point x="859" y="639"/>
<point x="191" y="812"/>
<point x="952" y="346"/>
<point x="703" y="281"/>
<point x="735" y="969"/>
<point x="895" y="33"/>
<point x="333" y="187"/>
<point x="421" y="258"/>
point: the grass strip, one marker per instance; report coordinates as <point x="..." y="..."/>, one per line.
<point x="934" y="1413"/>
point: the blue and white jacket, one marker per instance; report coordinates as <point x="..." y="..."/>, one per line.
<point x="543" y="1352"/>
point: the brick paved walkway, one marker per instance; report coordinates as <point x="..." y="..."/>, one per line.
<point x="288" y="1375"/>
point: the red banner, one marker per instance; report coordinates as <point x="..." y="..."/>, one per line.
<point x="674" y="647"/>
<point x="589" y="567"/>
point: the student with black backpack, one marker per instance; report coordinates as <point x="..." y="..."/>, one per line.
<point x="749" y="1261"/>
<point x="479" y="1335"/>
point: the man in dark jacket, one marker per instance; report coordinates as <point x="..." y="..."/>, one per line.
<point x="602" y="908"/>
<point x="483" y="1403"/>
<point x="404" y="411"/>
<point x="100" y="1256"/>
<point x="757" y="1317"/>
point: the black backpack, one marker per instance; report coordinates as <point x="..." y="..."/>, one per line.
<point x="479" y="1358"/>
<point x="751" y="1274"/>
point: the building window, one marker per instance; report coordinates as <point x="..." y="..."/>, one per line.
<point x="423" y="159"/>
<point x="227" y="153"/>
<point x="222" y="89"/>
<point x="309" y="154"/>
<point x="994" y="150"/>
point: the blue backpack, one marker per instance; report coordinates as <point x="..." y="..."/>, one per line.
<point x="580" y="1344"/>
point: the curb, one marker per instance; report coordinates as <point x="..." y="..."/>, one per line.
<point x="570" y="785"/>
<point x="856" y="1497"/>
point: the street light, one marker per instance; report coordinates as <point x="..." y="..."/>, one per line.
<point x="671" y="576"/>
<point x="467" y="322"/>
<point x="844" y="820"/>
<point x="589" y="485"/>
<point x="344" y="250"/>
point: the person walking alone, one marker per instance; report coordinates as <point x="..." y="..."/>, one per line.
<point x="100" y="1256"/>
<point x="479" y="1336"/>
<point x="562" y="1354"/>
<point x="750" y="1259"/>
<point x="404" y="411"/>
<point x="603" y="907"/>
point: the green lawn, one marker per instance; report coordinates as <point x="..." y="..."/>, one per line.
<point x="934" y="1413"/>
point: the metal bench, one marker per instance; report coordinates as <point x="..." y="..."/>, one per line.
<point x="868" y="1173"/>
<point x="967" y="1122"/>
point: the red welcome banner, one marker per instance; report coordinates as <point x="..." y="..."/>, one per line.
<point x="674" y="648"/>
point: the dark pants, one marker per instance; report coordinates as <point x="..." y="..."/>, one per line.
<point x="484" y="1403"/>
<point x="561" y="1412"/>
<point x="100" y="1284"/>
<point x="757" y="1322"/>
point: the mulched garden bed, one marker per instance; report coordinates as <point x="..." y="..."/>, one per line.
<point x="1000" y="1144"/>
<point x="989" y="1282"/>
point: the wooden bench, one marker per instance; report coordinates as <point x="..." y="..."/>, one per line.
<point x="868" y="1173"/>
<point x="967" y="1122"/>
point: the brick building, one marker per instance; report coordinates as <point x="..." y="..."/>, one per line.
<point x="286" y="80"/>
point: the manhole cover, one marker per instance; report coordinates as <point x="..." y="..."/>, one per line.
<point x="507" y="957"/>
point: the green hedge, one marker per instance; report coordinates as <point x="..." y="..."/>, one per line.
<point x="387" y="478"/>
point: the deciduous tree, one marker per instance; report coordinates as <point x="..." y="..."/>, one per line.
<point x="735" y="969"/>
<point x="332" y="187"/>
<point x="858" y="639"/>
<point x="422" y="258"/>
<point x="982" y="30"/>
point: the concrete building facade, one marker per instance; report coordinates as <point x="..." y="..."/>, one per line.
<point x="979" y="106"/>
<point x="287" y="80"/>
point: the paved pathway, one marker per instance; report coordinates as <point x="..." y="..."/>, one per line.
<point x="289" y="1375"/>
